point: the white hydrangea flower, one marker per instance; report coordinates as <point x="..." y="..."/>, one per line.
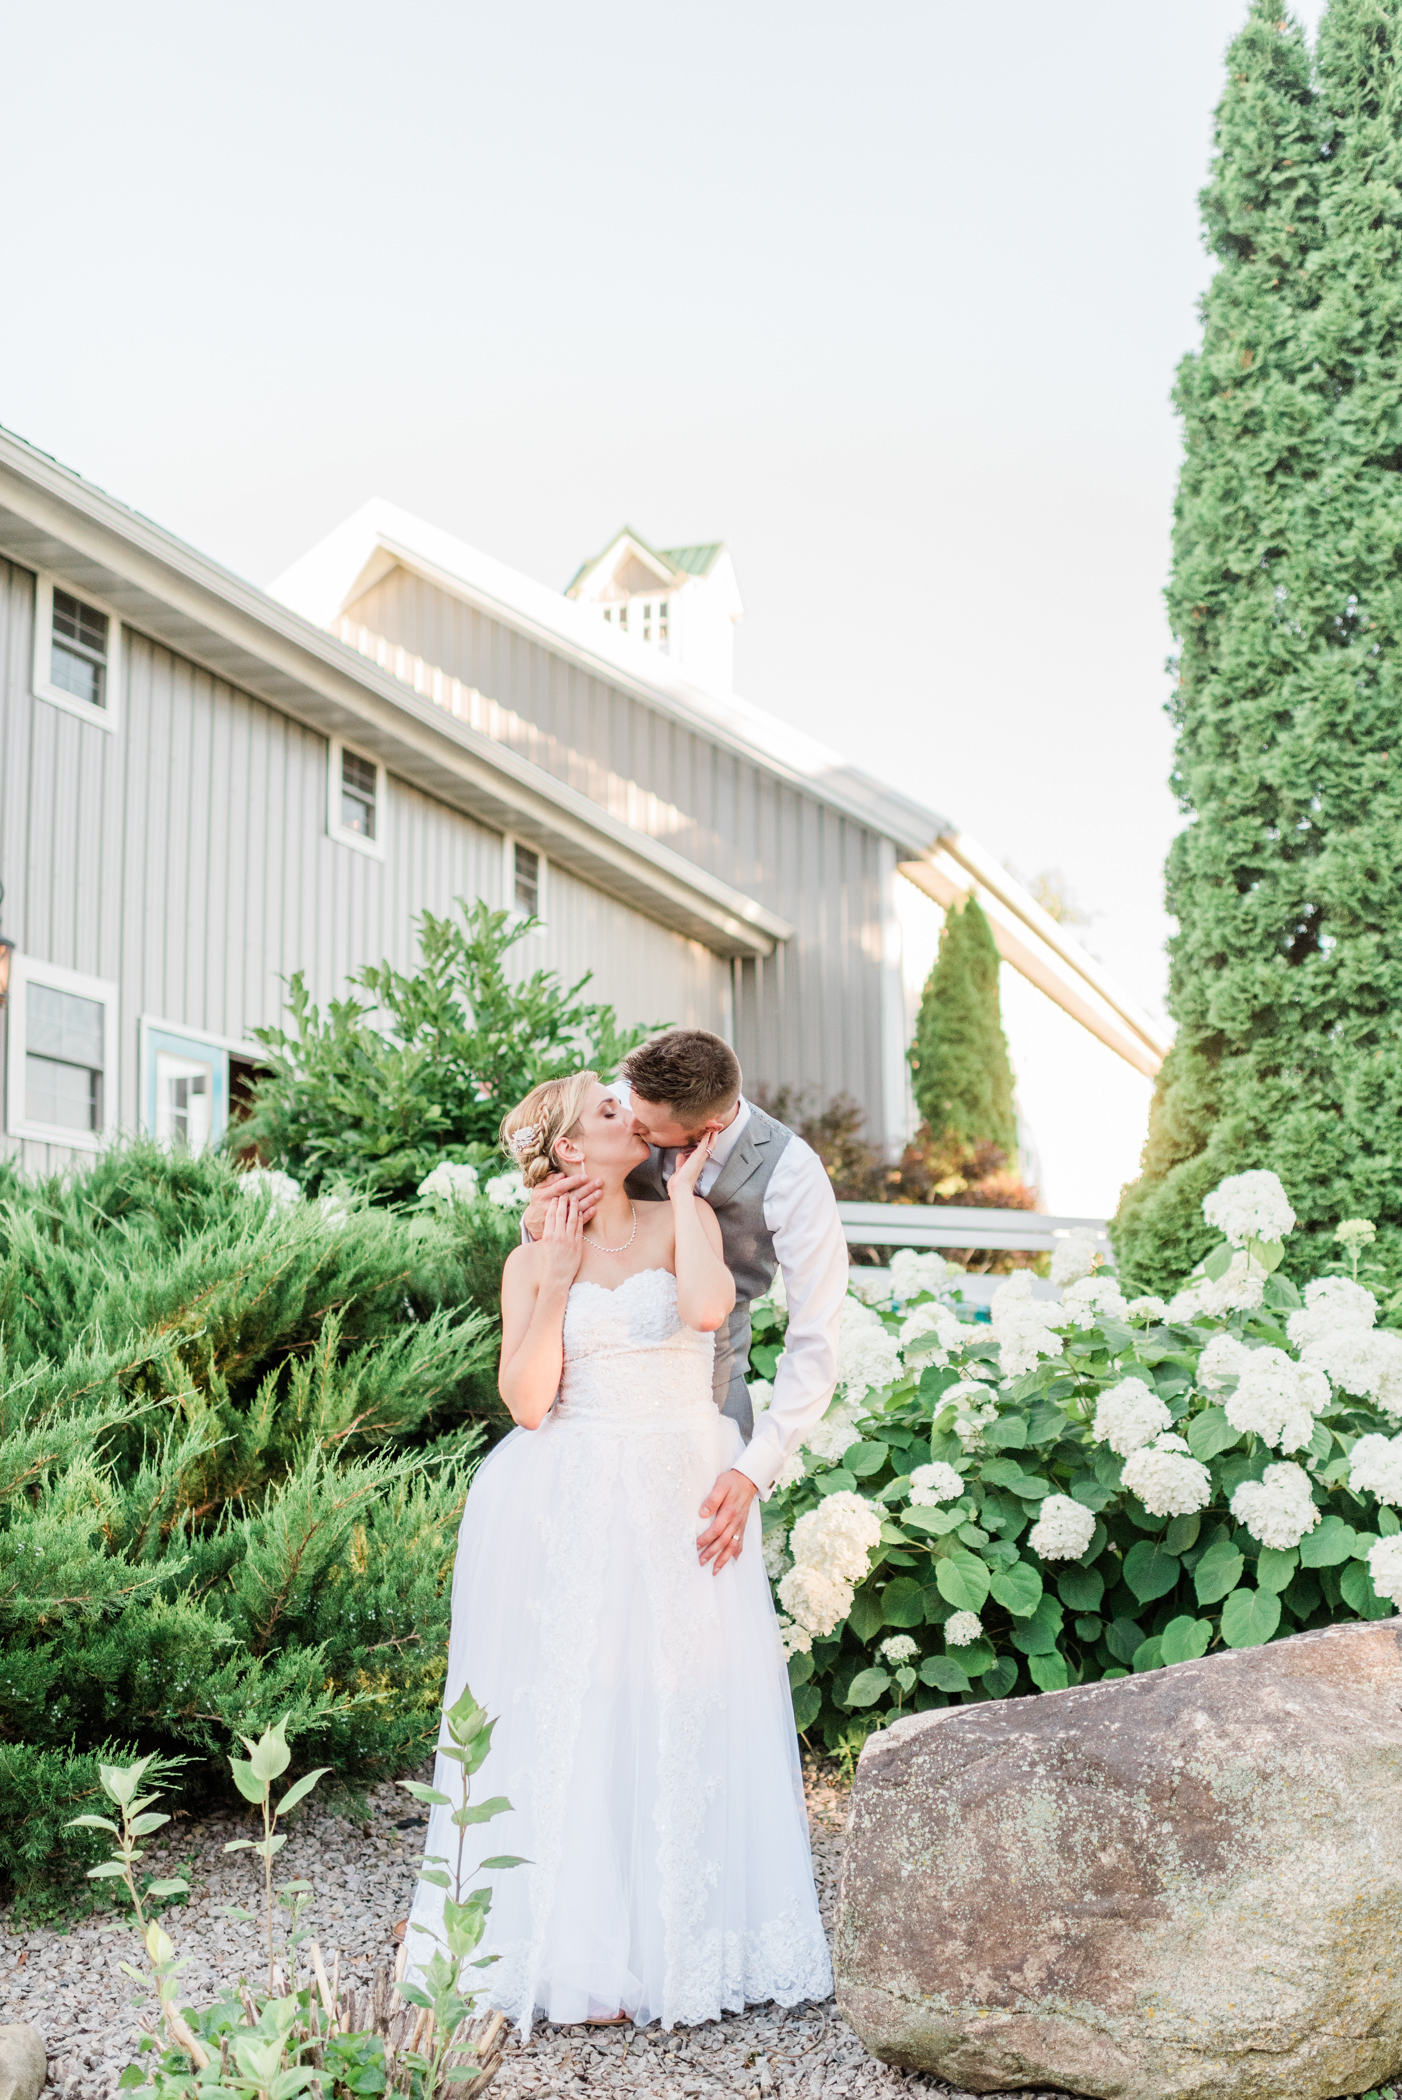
<point x="774" y="1551"/>
<point x="508" y="1191"/>
<point x="1063" y="1529"/>
<point x="828" y="1439"/>
<point x="451" y="1179"/>
<point x="1023" y="1325"/>
<point x="950" y="1332"/>
<point x="837" y="1537"/>
<point x="797" y="1639"/>
<point x="1083" y="1303"/>
<point x="815" y="1599"/>
<point x="912" y="1273"/>
<point x="335" y="1211"/>
<point x="1168" y="1480"/>
<point x="1127" y="1415"/>
<point x="1250" y="1206"/>
<point x="270" y="1183"/>
<point x="961" y="1627"/>
<point x="761" y="1392"/>
<point x="1330" y="1302"/>
<point x="790" y="1472"/>
<point x="1146" y="1308"/>
<point x="1241" y="1289"/>
<point x="1075" y="1255"/>
<point x="868" y="1357"/>
<point x="930" y="1485"/>
<point x="974" y="1410"/>
<point x="1224" y="1359"/>
<point x="1375" y="1463"/>
<point x="900" y="1648"/>
<point x="1279" y="1509"/>
<point x="871" y="1286"/>
<point x="1277" y="1400"/>
<point x="1385" y="1567"/>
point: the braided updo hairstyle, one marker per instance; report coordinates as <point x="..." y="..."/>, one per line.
<point x="535" y="1126"/>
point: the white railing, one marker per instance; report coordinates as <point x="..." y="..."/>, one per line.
<point x="959" y="1225"/>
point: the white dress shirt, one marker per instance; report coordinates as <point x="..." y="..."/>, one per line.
<point x="800" y="1214"/>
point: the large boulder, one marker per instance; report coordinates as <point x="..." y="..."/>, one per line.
<point x="23" y="2063"/>
<point x="1180" y="1886"/>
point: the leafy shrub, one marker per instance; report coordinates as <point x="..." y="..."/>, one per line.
<point x="235" y="1439"/>
<point x="379" y="1090"/>
<point x="1088" y="1488"/>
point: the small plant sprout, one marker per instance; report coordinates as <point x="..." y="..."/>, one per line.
<point x="267" y="1760"/>
<point x="443" y="1995"/>
<point x="122" y="1786"/>
<point x="1353" y="1236"/>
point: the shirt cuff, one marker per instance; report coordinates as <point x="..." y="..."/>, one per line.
<point x="753" y="1464"/>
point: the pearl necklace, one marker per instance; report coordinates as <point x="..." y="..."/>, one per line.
<point x="626" y="1244"/>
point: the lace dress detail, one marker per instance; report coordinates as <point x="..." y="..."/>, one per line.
<point x="645" y="1735"/>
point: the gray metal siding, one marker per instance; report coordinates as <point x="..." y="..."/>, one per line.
<point x="185" y="856"/>
<point x="811" y="1015"/>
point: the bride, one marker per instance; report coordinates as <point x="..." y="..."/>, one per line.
<point x="645" y="1734"/>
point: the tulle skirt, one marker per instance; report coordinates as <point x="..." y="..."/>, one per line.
<point x="645" y="1736"/>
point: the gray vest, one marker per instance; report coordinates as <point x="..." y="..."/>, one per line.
<point x="738" y="1202"/>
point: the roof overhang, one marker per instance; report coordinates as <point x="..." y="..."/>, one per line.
<point x="52" y="520"/>
<point x="1038" y="948"/>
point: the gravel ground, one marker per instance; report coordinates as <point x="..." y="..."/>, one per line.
<point x="70" y="1988"/>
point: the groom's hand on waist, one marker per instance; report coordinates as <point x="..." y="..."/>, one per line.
<point x="583" y="1185"/>
<point x="727" y="1506"/>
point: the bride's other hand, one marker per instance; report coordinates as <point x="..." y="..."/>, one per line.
<point x="585" y="1190"/>
<point x="562" y="1240"/>
<point x="728" y="1507"/>
<point x="684" y="1176"/>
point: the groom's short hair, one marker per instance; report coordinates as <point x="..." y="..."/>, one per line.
<point x="688" y="1070"/>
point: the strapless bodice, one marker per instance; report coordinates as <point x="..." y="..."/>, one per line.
<point x="629" y="1361"/>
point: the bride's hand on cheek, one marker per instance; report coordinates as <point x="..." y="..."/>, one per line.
<point x="562" y="1241"/>
<point x="687" y="1172"/>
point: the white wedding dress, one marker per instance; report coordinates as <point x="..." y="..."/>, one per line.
<point x="645" y="1733"/>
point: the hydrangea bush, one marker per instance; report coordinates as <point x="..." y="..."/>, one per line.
<point x="1082" y="1489"/>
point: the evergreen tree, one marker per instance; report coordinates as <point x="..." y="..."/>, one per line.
<point x="1282" y="699"/>
<point x="963" y="1075"/>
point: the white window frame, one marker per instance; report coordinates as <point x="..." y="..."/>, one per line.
<point x="24" y="971"/>
<point x="154" y="1025"/>
<point x="374" y="848"/>
<point x="105" y="717"/>
<point x="508" y="880"/>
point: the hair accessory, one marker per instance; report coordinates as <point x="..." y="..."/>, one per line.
<point x="521" y="1141"/>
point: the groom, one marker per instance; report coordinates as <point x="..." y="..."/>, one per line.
<point x="775" y="1207"/>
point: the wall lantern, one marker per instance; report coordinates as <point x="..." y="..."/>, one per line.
<point x="7" y="949"/>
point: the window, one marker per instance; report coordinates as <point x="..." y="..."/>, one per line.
<point x="62" y="1055"/>
<point x="650" y="618"/>
<point x="184" y="1087"/>
<point x="77" y="652"/>
<point x="356" y="800"/>
<point x="523" y="880"/>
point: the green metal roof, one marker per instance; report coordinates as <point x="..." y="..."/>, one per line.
<point x="697" y="561"/>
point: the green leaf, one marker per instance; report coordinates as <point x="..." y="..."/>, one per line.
<point x="1215" y="1267"/>
<point x="1210" y="1433"/>
<point x="300" y="1791"/>
<point x="1147" y="1656"/>
<point x="1281" y="1295"/>
<point x="1008" y="1433"/>
<point x="800" y="1669"/>
<point x="501" y="1860"/>
<point x="977" y="1658"/>
<point x="1389" y="1523"/>
<point x="1250" y="1617"/>
<point x="1182" y="1534"/>
<point x="1048" y="1672"/>
<point x="963" y="1580"/>
<point x="807" y="1705"/>
<point x="245" y="1779"/>
<point x="1000" y="1679"/>
<point x="865" y="1459"/>
<point x="1185" y="1638"/>
<point x="1359" y="1594"/>
<point x="144" y="1825"/>
<point x="92" y="1823"/>
<point x="1150" y="1572"/>
<point x="838" y="1481"/>
<point x="1018" y="1589"/>
<point x="1038" y="1635"/>
<point x="1274" y="1568"/>
<point x="109" y="1870"/>
<point x="429" y="1795"/>
<point x="867" y="1687"/>
<point x="1217" y="1572"/>
<point x="174" y="1887"/>
<point x="903" y="1602"/>
<point x="1331" y="1542"/>
<point x="1122" y="1638"/>
<point x="865" y="1618"/>
<point x="936" y="1523"/>
<point x="481" y="1811"/>
<point x="943" y="1674"/>
<point x="1081" y="1589"/>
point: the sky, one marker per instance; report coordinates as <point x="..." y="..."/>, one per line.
<point x="890" y="298"/>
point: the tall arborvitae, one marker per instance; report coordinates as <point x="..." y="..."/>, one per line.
<point x="1276" y="952"/>
<point x="963" y="1076"/>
